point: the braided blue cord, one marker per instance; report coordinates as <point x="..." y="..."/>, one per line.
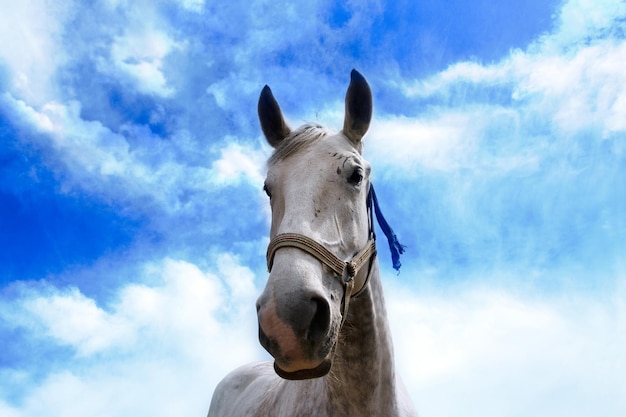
<point x="395" y="247"/>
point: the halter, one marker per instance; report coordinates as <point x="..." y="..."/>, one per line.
<point x="344" y="271"/>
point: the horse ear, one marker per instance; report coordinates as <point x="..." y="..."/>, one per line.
<point x="272" y="122"/>
<point x="358" y="108"/>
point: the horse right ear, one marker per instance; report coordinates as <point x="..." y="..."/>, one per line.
<point x="358" y="108"/>
<point x="272" y="122"/>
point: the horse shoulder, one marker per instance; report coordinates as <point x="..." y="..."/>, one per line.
<point x="255" y="390"/>
<point x="241" y="392"/>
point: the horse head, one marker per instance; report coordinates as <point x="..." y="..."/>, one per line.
<point x="321" y="245"/>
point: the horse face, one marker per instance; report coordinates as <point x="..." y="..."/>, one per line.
<point x="317" y="188"/>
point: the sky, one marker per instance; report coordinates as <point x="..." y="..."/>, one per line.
<point x="133" y="225"/>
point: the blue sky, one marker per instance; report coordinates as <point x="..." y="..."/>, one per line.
<point x="133" y="224"/>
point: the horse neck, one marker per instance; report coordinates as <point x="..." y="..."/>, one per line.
<point x="363" y="373"/>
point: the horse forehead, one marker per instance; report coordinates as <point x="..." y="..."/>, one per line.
<point x="338" y="145"/>
<point x="326" y="153"/>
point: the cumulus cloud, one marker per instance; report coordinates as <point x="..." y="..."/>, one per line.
<point x="501" y="353"/>
<point x="581" y="91"/>
<point x="176" y="330"/>
<point x="515" y="161"/>
<point x="140" y="56"/>
<point x="576" y="86"/>
<point x="75" y="320"/>
<point x="239" y="161"/>
<point x="91" y="158"/>
<point x="443" y="142"/>
<point x="31" y="46"/>
<point x="582" y="21"/>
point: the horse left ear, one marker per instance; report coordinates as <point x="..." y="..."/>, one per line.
<point x="358" y="108"/>
<point x="271" y="117"/>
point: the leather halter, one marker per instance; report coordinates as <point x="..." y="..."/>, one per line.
<point x="344" y="271"/>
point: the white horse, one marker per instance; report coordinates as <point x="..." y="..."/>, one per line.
<point x="322" y="314"/>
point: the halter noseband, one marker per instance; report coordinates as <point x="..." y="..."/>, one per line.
<point x="345" y="270"/>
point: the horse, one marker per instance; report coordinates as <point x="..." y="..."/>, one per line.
<point x="322" y="313"/>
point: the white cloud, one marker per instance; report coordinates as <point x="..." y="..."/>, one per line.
<point x="91" y="158"/>
<point x="444" y="142"/>
<point x="139" y="55"/>
<point x="239" y="161"/>
<point x="193" y="5"/>
<point x="75" y="320"/>
<point x="239" y="279"/>
<point x="85" y="145"/>
<point x="580" y="91"/>
<point x="543" y="95"/>
<point x="31" y="45"/>
<point x="441" y="84"/>
<point x="498" y="353"/>
<point x="581" y="21"/>
<point x="176" y="334"/>
<point x="494" y="352"/>
<point x="134" y="41"/>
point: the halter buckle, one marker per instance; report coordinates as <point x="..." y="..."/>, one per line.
<point x="349" y="272"/>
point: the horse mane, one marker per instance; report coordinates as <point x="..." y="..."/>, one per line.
<point x="298" y="139"/>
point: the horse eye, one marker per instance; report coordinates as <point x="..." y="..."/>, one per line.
<point x="356" y="177"/>
<point x="267" y="190"/>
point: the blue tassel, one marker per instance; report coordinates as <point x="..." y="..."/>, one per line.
<point x="395" y="246"/>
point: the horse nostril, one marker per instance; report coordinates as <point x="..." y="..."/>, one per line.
<point x="320" y="321"/>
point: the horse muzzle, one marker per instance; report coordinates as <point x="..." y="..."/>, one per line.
<point x="301" y="340"/>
